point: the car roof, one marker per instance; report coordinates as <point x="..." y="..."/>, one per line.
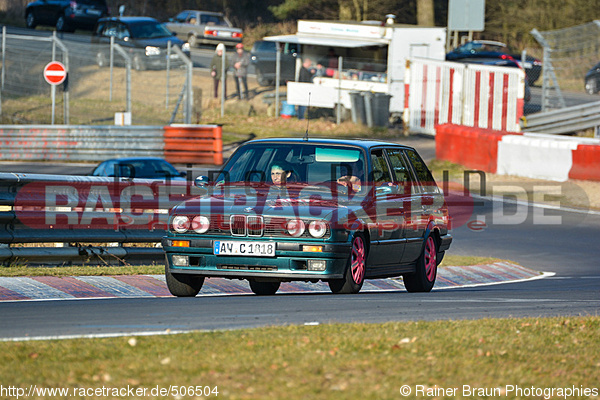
<point x="363" y="143"/>
<point x="494" y="42"/>
<point x="205" y="12"/>
<point x="127" y="159"/>
<point x="129" y="19"/>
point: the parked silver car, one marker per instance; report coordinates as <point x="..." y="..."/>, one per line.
<point x="204" y="27"/>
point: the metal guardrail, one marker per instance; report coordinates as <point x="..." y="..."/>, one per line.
<point x="564" y="120"/>
<point x="79" y="143"/>
<point x="63" y="219"/>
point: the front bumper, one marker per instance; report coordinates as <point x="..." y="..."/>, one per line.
<point x="289" y="263"/>
<point x="445" y="241"/>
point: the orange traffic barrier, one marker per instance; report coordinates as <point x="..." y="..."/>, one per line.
<point x="472" y="147"/>
<point x="586" y="163"/>
<point x="194" y="144"/>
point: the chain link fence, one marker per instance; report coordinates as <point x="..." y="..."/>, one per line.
<point x="156" y="89"/>
<point x="568" y="55"/>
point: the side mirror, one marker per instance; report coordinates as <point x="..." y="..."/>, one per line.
<point x="201" y="181"/>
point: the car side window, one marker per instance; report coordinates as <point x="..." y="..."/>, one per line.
<point x="122" y="32"/>
<point x="400" y="171"/>
<point x="182" y="17"/>
<point x="380" y="173"/>
<point x="422" y="172"/>
<point x="111" y="30"/>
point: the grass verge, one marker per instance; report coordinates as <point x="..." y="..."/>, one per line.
<point x="331" y="361"/>
<point x="101" y="270"/>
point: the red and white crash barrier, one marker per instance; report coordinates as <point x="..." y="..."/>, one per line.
<point x="549" y="157"/>
<point x="531" y="155"/>
<point x="481" y="96"/>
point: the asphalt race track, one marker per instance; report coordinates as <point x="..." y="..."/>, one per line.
<point x="567" y="248"/>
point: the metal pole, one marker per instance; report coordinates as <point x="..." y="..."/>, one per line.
<point x="65" y="50"/>
<point x="128" y="72"/>
<point x="339" y="100"/>
<point x="545" y="77"/>
<point x="168" y="69"/>
<point x="3" y="54"/>
<point x="223" y="77"/>
<point x="3" y="64"/>
<point x="190" y="90"/>
<point x="189" y="104"/>
<point x="277" y="76"/>
<point x="124" y="54"/>
<point x="66" y="92"/>
<point x="111" y="62"/>
<point x="53" y="87"/>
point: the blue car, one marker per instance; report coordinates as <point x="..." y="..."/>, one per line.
<point x="145" y="39"/>
<point x="338" y="211"/>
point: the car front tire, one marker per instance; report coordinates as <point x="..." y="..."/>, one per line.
<point x="182" y="285"/>
<point x="30" y="20"/>
<point x="355" y="269"/>
<point x="264" y="288"/>
<point x="262" y="81"/>
<point x="591" y="86"/>
<point x="62" y="25"/>
<point x="101" y="59"/>
<point x="423" y="279"/>
<point x="138" y="63"/>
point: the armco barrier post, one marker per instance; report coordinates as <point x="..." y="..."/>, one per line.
<point x="195" y="144"/>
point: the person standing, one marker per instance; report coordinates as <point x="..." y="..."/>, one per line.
<point x="241" y="61"/>
<point x="305" y="75"/>
<point x="216" y="69"/>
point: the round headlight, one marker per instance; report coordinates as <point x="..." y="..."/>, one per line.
<point x="317" y="229"/>
<point x="200" y="224"/>
<point x="152" y="50"/>
<point x="180" y="223"/>
<point x="295" y="227"/>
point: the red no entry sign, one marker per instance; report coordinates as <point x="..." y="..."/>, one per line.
<point x="55" y="73"/>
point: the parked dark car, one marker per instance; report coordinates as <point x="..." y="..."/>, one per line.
<point x="138" y="167"/>
<point x="339" y="211"/>
<point x="65" y="15"/>
<point x="592" y="80"/>
<point x="264" y="56"/>
<point x="489" y="50"/>
<point x="144" y="38"/>
<point x="205" y="27"/>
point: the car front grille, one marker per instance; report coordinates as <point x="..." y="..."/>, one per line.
<point x="240" y="225"/>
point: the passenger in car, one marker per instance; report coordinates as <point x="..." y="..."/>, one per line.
<point x="280" y="174"/>
<point x="352" y="180"/>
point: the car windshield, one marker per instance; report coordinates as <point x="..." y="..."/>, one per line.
<point x="148" y="30"/>
<point x="153" y="169"/>
<point x="306" y="163"/>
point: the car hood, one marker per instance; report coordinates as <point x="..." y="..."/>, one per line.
<point x="161" y="42"/>
<point x="315" y="203"/>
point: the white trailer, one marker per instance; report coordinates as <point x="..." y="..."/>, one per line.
<point x="372" y="59"/>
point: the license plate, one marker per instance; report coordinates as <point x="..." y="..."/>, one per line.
<point x="235" y="248"/>
<point x="226" y="34"/>
<point x="93" y="12"/>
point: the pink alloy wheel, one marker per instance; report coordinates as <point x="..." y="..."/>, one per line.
<point x="430" y="259"/>
<point x="358" y="260"/>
